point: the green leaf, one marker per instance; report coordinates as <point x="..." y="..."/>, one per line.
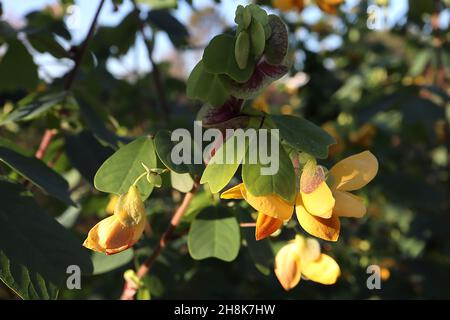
<point x="44" y="42"/>
<point x="220" y="170"/>
<point x="163" y="20"/>
<point x="86" y="153"/>
<point x="218" y="58"/>
<point x="33" y="106"/>
<point x="164" y="146"/>
<point x="105" y="263"/>
<point x="39" y="174"/>
<point x="119" y="171"/>
<point x="160" y="4"/>
<point x="303" y="135"/>
<point x="95" y="123"/>
<point x="214" y="234"/>
<point x="206" y="86"/>
<point x="35" y="250"/>
<point x="281" y="183"/>
<point x="181" y="181"/>
<point x="19" y="67"/>
<point x="200" y="201"/>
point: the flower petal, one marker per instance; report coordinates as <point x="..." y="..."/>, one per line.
<point x="233" y="192"/>
<point x="110" y="236"/>
<point x="354" y="172"/>
<point x="348" y="205"/>
<point x="320" y="202"/>
<point x="287" y="266"/>
<point x="327" y="229"/>
<point x="266" y="225"/>
<point x="324" y="270"/>
<point x="272" y="205"/>
<point x="310" y="250"/>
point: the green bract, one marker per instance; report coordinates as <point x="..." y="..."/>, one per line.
<point x="218" y="58"/>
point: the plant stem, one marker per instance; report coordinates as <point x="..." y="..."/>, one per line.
<point x="80" y="53"/>
<point x="50" y="133"/>
<point x="130" y="288"/>
<point x="139" y="178"/>
<point x="45" y="142"/>
<point x="247" y="224"/>
<point x="159" y="88"/>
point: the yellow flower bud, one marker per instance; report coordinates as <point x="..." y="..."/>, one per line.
<point x="121" y="230"/>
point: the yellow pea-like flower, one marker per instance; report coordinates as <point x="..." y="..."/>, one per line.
<point x="318" y="211"/>
<point x="349" y="174"/>
<point x="302" y="257"/>
<point x="121" y="230"/>
<point x="272" y="205"/>
<point x="329" y="6"/>
<point x="286" y="5"/>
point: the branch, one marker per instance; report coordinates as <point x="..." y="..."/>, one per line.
<point x="80" y="53"/>
<point x="247" y="224"/>
<point x="155" y="69"/>
<point x="49" y="133"/>
<point x="45" y="142"/>
<point x="130" y="287"/>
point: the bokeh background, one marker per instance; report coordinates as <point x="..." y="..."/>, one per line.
<point x="375" y="76"/>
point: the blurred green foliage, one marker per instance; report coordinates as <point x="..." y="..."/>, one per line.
<point x="384" y="90"/>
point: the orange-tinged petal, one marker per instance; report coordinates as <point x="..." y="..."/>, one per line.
<point x="320" y="202"/>
<point x="354" y="172"/>
<point x="327" y="8"/>
<point x="324" y="270"/>
<point x="266" y="225"/>
<point x="233" y="192"/>
<point x="109" y="236"/>
<point x="287" y="266"/>
<point x="348" y="205"/>
<point x="327" y="229"/>
<point x="286" y="5"/>
<point x="272" y="205"/>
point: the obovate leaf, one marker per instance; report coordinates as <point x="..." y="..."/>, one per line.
<point x="35" y="250"/>
<point x="214" y="234"/>
<point x="181" y="181"/>
<point x="120" y="170"/>
<point x="303" y="135"/>
<point x="39" y="174"/>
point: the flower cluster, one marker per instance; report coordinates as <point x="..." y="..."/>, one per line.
<point x="320" y="203"/>
<point x="328" y="6"/>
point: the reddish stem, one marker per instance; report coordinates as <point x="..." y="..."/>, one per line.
<point x="45" y="142"/>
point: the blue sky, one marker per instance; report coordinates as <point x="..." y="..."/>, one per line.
<point x="137" y="59"/>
